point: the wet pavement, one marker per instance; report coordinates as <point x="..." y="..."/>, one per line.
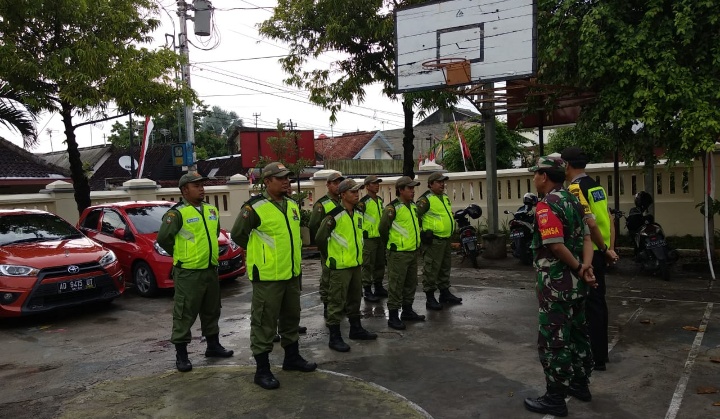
<point x="475" y="360"/>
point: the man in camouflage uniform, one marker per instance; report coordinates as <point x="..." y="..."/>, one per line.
<point x="373" y="267"/>
<point x="322" y="207"/>
<point x="561" y="240"/>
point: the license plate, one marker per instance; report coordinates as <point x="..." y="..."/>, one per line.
<point x="76" y="285"/>
<point x="469" y="239"/>
<point x="224" y="263"/>
<point x="517" y="234"/>
<point x="655" y="243"/>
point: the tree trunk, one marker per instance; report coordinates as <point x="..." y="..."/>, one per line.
<point x="408" y="137"/>
<point x="649" y="174"/>
<point x="80" y="181"/>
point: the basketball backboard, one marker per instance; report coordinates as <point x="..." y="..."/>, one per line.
<point x="496" y="37"/>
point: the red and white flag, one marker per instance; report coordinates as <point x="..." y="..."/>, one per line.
<point x="144" y="145"/>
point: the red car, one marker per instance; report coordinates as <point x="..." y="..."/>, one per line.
<point x="130" y="230"/>
<point x="46" y="263"/>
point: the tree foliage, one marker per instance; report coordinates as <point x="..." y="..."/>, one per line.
<point x="15" y="116"/>
<point x="77" y="57"/>
<point x="362" y="33"/>
<point x="510" y="146"/>
<point x="653" y="61"/>
<point x="598" y="145"/>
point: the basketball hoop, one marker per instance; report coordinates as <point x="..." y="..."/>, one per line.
<point x="455" y="70"/>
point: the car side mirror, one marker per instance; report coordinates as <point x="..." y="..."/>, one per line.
<point x="123" y="234"/>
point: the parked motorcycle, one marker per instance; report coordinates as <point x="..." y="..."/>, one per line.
<point x="468" y="233"/>
<point x="651" y="248"/>
<point x="522" y="227"/>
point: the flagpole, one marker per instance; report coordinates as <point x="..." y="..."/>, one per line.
<point x="709" y="189"/>
<point x="462" y="149"/>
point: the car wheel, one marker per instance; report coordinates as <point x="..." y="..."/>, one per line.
<point x="144" y="279"/>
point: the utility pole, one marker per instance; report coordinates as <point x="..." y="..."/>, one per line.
<point x="297" y="157"/>
<point x="132" y="154"/>
<point x="259" y="143"/>
<point x="185" y="70"/>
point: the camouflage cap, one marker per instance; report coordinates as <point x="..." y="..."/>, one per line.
<point x="189" y="178"/>
<point x="276" y="169"/>
<point x="349" y="185"/>
<point x="335" y="176"/>
<point x="371" y="179"/>
<point x="406" y="181"/>
<point x="549" y="164"/>
<point x="437" y="176"/>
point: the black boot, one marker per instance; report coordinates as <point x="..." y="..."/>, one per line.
<point x="325" y="310"/>
<point x="447" y="297"/>
<point x="336" y="341"/>
<point x="368" y="294"/>
<point x="380" y="291"/>
<point x="408" y="314"/>
<point x="357" y="332"/>
<point x="294" y="362"/>
<point x="181" y="358"/>
<point x="552" y="403"/>
<point x="432" y="303"/>
<point x="394" y="321"/>
<point x="215" y="349"/>
<point x="302" y="330"/>
<point x="263" y="376"/>
<point x="580" y="390"/>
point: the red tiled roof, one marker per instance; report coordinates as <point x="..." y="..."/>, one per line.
<point x="344" y="147"/>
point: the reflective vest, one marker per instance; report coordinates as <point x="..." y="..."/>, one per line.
<point x="273" y="249"/>
<point x="372" y="214"/>
<point x="405" y="230"/>
<point x="345" y="245"/>
<point x="196" y="244"/>
<point x="594" y="202"/>
<point x="438" y="217"/>
<point x="328" y="204"/>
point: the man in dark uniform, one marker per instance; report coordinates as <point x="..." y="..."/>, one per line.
<point x="400" y="229"/>
<point x="373" y="268"/>
<point x="438" y="224"/>
<point x="563" y="259"/>
<point x="321" y="208"/>
<point x="189" y="233"/>
<point x="268" y="227"/>
<point x="593" y="198"/>
<point x="340" y="241"/>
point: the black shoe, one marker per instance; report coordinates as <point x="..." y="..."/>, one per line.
<point x="336" y="341"/>
<point x="394" y="321"/>
<point x="550" y="403"/>
<point x="448" y="298"/>
<point x="263" y="376"/>
<point x="294" y="362"/>
<point x="600" y="367"/>
<point x="181" y="358"/>
<point x="325" y="310"/>
<point x="276" y="338"/>
<point x="302" y="330"/>
<point x="432" y="303"/>
<point x="357" y="332"/>
<point x="380" y="291"/>
<point x="408" y="314"/>
<point x="215" y="349"/>
<point x="369" y="296"/>
<point x="580" y="391"/>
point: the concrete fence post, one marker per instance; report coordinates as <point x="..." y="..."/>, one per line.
<point x="64" y="195"/>
<point x="141" y="189"/>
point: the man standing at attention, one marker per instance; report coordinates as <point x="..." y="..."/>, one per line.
<point x="322" y="207"/>
<point x="593" y="198"/>
<point x="563" y="259"/>
<point x="268" y="227"/>
<point x="340" y="241"/>
<point x="438" y="224"/>
<point x="189" y="233"/>
<point x="400" y="229"/>
<point x="373" y="268"/>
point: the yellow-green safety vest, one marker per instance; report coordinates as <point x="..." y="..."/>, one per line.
<point x="345" y="244"/>
<point x="372" y="214"/>
<point x="273" y="250"/>
<point x="597" y="204"/>
<point x="438" y="217"/>
<point x="405" y="229"/>
<point x="196" y="244"/>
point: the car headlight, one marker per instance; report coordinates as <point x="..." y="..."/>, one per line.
<point x="233" y="245"/>
<point x="108" y="258"/>
<point x="160" y="249"/>
<point x="17" y="270"/>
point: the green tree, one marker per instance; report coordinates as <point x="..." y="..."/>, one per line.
<point x="510" y="146"/>
<point x="363" y="33"/>
<point x="76" y="57"/>
<point x="598" y="145"/>
<point x="653" y="62"/>
<point x="15" y="116"/>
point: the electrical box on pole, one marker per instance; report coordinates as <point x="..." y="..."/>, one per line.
<point x="203" y="17"/>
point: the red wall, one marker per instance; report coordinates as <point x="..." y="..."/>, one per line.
<point x="249" y="147"/>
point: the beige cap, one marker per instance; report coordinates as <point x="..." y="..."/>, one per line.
<point x="371" y="179"/>
<point x="349" y="185"/>
<point x="276" y="169"/>
<point x="335" y="176"/>
<point x="437" y="176"/>
<point x="190" y="177"/>
<point x="406" y="181"/>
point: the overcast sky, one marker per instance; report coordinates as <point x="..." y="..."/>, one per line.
<point x="228" y="70"/>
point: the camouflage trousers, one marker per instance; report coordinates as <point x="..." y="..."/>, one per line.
<point x="563" y="342"/>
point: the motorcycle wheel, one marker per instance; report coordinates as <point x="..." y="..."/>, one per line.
<point x="664" y="270"/>
<point x="474" y="258"/>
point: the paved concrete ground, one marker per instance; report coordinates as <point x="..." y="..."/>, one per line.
<point x="477" y="360"/>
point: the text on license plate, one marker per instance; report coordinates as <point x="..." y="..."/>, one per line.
<point x="655" y="243"/>
<point x="76" y="285"/>
<point x="516" y="234"/>
<point x="224" y="263"/>
<point x="469" y="239"/>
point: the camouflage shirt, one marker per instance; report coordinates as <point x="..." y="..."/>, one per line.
<point x="558" y="219"/>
